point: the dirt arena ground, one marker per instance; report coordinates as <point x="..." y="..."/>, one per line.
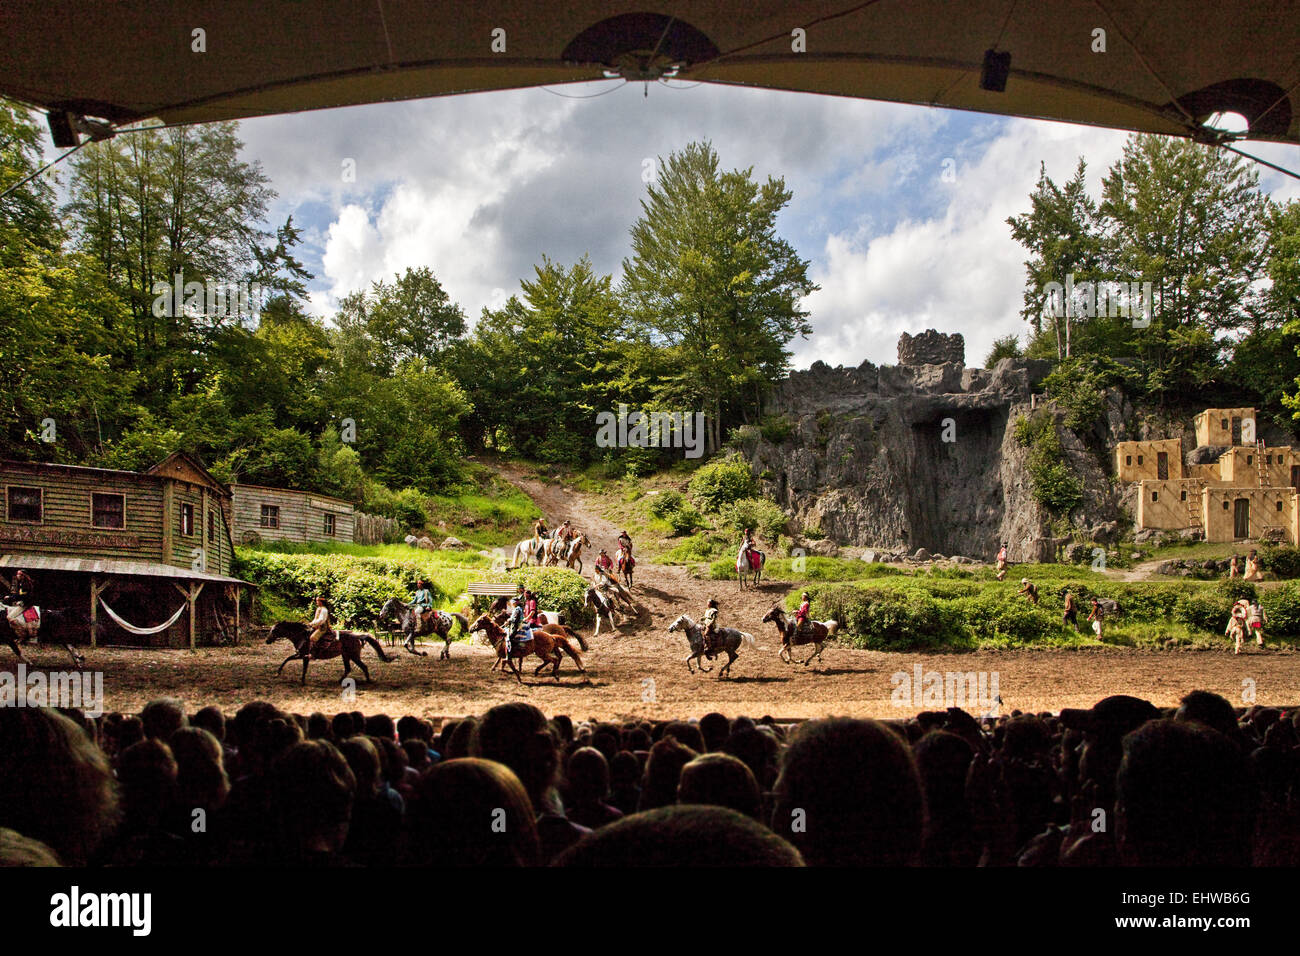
<point x="641" y="669"/>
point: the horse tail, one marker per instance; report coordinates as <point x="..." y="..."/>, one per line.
<point x="831" y="627"/>
<point x="568" y="649"/>
<point x="748" y="639"/>
<point x="370" y="639"/>
<point x="576" y="634"/>
<point x="464" y="621"/>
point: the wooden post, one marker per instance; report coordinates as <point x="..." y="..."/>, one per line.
<point x="168" y="518"/>
<point x="95" y="591"/>
<point x="195" y="591"/>
<point x="238" y="594"/>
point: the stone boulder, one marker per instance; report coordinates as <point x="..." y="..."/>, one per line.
<point x="451" y="543"/>
<point x="824" y="548"/>
<point x="411" y="540"/>
<point x="921" y="554"/>
<point x="931" y="348"/>
<point x="426" y="543"/>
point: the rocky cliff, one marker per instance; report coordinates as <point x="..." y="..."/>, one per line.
<point x="918" y="456"/>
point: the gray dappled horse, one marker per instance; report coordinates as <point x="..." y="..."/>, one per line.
<point x="726" y="639"/>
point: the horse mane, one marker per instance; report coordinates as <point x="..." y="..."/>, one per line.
<point x="289" y="629"/>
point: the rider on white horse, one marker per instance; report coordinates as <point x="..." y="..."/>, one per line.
<point x="752" y="554"/>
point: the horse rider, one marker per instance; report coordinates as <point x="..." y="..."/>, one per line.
<point x="422" y="604"/>
<point x="321" y="632"/>
<point x="563" y="535"/>
<point x="748" y="546"/>
<point x="801" y="615"/>
<point x="516" y="626"/>
<point x="604" y="563"/>
<point x="625" y="542"/>
<point x="530" y="609"/>
<point x="710" y="626"/>
<point x="24" y="593"/>
<point x="540" y="533"/>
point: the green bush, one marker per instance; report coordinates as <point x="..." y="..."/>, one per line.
<point x="722" y="482"/>
<point x="557" y="589"/>
<point x="1280" y="560"/>
<point x="1282" y="609"/>
<point x="762" y="515"/>
<point x="776" y="428"/>
<point x="1202" y="611"/>
<point x="1054" y="486"/>
<point x="1232" y="590"/>
<point x="684" y="520"/>
<point x="666" y="502"/>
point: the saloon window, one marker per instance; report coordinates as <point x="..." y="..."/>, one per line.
<point x="25" y="504"/>
<point x="107" y="510"/>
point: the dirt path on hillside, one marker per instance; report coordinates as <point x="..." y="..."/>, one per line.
<point x="640" y="670"/>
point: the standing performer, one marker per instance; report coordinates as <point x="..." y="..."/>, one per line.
<point x="1253" y="573"/>
<point x="1002" y="562"/>
<point x="1071" y="615"/>
<point x="1096" y="617"/>
<point x="1255" y="621"/>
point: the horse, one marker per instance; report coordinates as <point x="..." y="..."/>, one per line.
<point x="348" y="644"/>
<point x="746" y="564"/>
<point x="412" y="625"/>
<point x="545" y="617"/>
<point x="526" y="552"/>
<point x="547" y="643"/>
<point x="625" y="563"/>
<point x="603" y="606"/>
<point x="574" y="552"/>
<point x="729" y="639"/>
<point x="18" y="630"/>
<point x="816" y="634"/>
<point x="609" y="587"/>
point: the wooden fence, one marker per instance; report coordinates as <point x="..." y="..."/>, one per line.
<point x="374" y="529"/>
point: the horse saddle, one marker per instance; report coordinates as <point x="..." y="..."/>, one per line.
<point x="31" y="614"/>
<point x="752" y="557"/>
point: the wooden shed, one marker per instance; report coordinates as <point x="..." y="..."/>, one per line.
<point x="282" y="514"/>
<point x="117" y="548"/>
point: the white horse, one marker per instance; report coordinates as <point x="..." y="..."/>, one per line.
<point x="526" y="552"/>
<point x="744" y="566"/>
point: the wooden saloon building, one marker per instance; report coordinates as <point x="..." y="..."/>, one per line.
<point x="146" y="555"/>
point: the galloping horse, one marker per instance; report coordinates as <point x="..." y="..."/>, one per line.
<point x="746" y="561"/>
<point x="547" y="643"/>
<point x="414" y="625"/>
<point x="18" y="630"/>
<point x="527" y="551"/>
<point x="816" y="634"/>
<point x="603" y="606"/>
<point x="729" y="639"/>
<point x="612" y="589"/>
<point x="625" y="563"/>
<point x="348" y="644"/>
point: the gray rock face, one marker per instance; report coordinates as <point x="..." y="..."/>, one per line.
<point x="907" y="457"/>
<point x="931" y="348"/>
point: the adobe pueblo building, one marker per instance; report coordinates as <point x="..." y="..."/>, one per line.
<point x="1248" y="491"/>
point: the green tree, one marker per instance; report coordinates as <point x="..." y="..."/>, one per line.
<point x="711" y="281"/>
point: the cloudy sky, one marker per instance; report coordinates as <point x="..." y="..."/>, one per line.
<point x="479" y="187"/>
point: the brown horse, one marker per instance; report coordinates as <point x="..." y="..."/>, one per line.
<point x="547" y="643"/>
<point x="816" y="633"/>
<point x="574" y="554"/>
<point x="347" y="643"/>
<point x="625" y="563"/>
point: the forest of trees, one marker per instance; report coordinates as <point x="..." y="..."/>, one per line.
<point x="392" y="393"/>
<point x="385" y="400"/>
<point x="1223" y="260"/>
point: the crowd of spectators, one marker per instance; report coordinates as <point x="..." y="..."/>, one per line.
<point x="1121" y="783"/>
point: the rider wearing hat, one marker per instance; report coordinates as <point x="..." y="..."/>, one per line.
<point x="710" y="626"/>
<point x="516" y="625"/>
<point x="321" y="631"/>
<point x="604" y="562"/>
<point x="625" y="542"/>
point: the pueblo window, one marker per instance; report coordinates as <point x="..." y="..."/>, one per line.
<point x="187" y="519"/>
<point x="107" y="510"/>
<point x="270" y="516"/>
<point x="25" y="504"/>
